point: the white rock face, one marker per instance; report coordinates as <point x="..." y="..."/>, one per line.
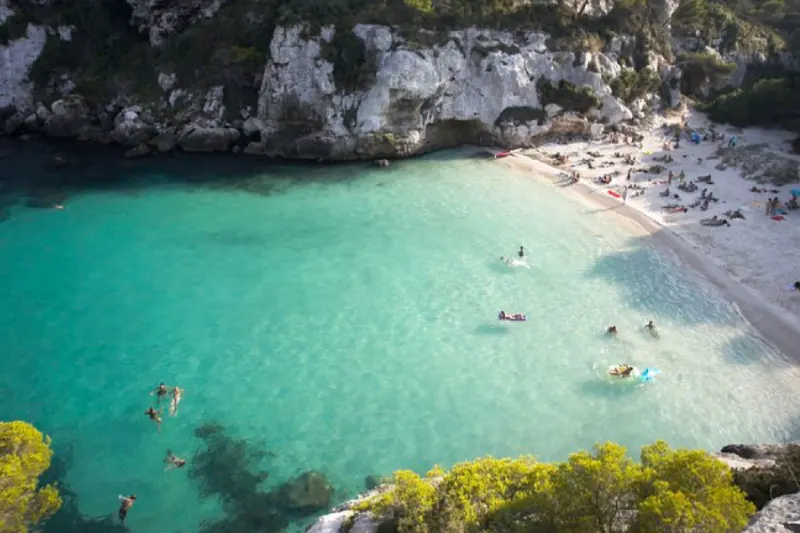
<point x="781" y="515"/>
<point x="330" y="523"/>
<point x="16" y="60"/>
<point x="466" y="82"/>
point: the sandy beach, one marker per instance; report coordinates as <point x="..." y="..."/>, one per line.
<point x="754" y="260"/>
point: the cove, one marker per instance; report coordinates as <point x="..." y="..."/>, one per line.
<point x="343" y="320"/>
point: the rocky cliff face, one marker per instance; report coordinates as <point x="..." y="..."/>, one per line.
<point x="335" y="93"/>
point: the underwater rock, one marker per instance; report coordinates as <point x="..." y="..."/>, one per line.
<point x="309" y="492"/>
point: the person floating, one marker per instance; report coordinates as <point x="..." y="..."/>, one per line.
<point x="177" y="393"/>
<point x="154" y="416"/>
<point x="125" y="505"/>
<point x="612" y="330"/>
<point x="521" y="252"/>
<point x="161" y="392"/>
<point x="173" y="461"/>
<point x="796" y="285"/>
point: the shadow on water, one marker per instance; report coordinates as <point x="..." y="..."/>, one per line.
<point x="44" y="173"/>
<point x="746" y="349"/>
<point x="229" y="469"/>
<point x="605" y="388"/>
<point x="491" y="329"/>
<point x="69" y="519"/>
<point x="638" y="272"/>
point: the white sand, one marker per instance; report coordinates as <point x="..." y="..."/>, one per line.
<point x="760" y="255"/>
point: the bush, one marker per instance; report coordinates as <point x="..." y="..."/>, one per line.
<point x="24" y="456"/>
<point x="769" y="102"/>
<point x="702" y="70"/>
<point x="670" y="491"/>
<point x="567" y="96"/>
<point x="630" y="84"/>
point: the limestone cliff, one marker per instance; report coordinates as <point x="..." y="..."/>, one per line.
<point x="301" y="90"/>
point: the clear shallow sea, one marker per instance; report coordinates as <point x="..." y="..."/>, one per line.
<point x="344" y="318"/>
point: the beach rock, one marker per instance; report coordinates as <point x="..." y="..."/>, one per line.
<point x="69" y="117"/>
<point x="164" y="142"/>
<point x="330" y="523"/>
<point x="138" y="151"/>
<point x="130" y="129"/>
<point x="254" y="148"/>
<point x="366" y="523"/>
<point x="202" y="139"/>
<point x="781" y="515"/>
<point x="307" y="493"/>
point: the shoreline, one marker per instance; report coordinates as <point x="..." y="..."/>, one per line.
<point x="773" y="324"/>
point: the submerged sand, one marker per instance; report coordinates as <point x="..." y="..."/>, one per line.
<point x="752" y="261"/>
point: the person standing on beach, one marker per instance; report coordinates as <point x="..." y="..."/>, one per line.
<point x="124" y="506"/>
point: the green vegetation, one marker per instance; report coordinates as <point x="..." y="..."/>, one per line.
<point x="702" y="70"/>
<point x="24" y="456"/>
<point x="670" y="491"/>
<point x="518" y="115"/>
<point x="567" y="96"/>
<point x="630" y="84"/>
<point x="768" y="102"/>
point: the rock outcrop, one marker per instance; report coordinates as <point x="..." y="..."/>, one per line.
<point x="781" y="515"/>
<point x="308" y="492"/>
<point x="475" y="84"/>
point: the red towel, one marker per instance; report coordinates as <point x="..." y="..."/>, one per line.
<point x="778" y="218"/>
<point x="614" y="194"/>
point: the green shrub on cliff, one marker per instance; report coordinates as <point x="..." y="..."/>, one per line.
<point x="769" y="102"/>
<point x="669" y="491"/>
<point x="566" y="95"/>
<point x="24" y="456"/>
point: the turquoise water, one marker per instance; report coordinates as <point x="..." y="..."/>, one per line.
<point x="346" y="322"/>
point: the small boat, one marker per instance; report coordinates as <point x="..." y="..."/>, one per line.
<point x="623" y="371"/>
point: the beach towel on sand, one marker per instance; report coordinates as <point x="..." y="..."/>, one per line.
<point x="778" y="218"/>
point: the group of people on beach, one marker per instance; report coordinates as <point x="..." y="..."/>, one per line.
<point x="162" y="392"/>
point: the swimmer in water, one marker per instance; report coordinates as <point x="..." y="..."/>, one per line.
<point x="154" y="416"/>
<point x="521" y="252"/>
<point x="177" y="392"/>
<point x="173" y="461"/>
<point x="651" y="327"/>
<point x="125" y="506"/>
<point x="612" y="330"/>
<point x="161" y="392"/>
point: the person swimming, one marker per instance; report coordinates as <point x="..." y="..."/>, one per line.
<point x="651" y="327"/>
<point x="125" y="506"/>
<point x="173" y="461"/>
<point x="521" y="252"/>
<point x="796" y="285"/>
<point x="154" y="416"/>
<point x="612" y="330"/>
<point x="177" y="393"/>
<point x="161" y="392"/>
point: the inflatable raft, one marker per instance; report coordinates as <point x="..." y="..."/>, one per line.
<point x="623" y="371"/>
